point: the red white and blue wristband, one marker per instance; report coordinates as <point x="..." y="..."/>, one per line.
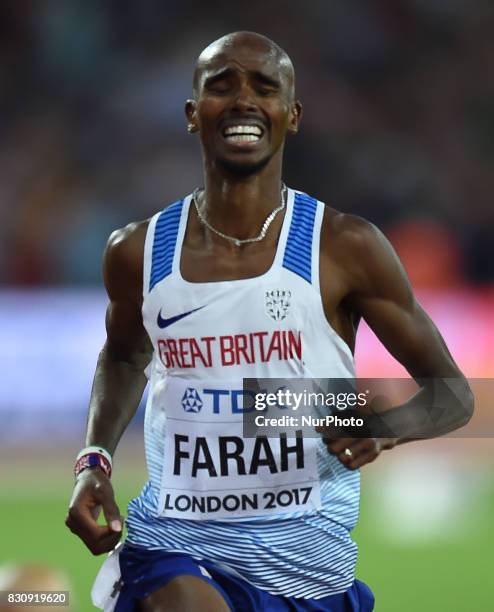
<point x="91" y="457"/>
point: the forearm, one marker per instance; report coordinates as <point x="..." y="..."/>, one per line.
<point x="117" y="390"/>
<point x="441" y="406"/>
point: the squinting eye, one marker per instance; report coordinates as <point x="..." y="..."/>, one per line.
<point x="219" y="87"/>
<point x="266" y="91"/>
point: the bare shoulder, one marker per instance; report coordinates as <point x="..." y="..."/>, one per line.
<point x="362" y="251"/>
<point x="350" y="231"/>
<point x="126" y="245"/>
<point x="123" y="259"/>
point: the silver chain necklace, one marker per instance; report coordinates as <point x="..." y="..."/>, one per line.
<point x="239" y="241"/>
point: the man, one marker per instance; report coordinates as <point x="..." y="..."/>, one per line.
<point x="189" y="292"/>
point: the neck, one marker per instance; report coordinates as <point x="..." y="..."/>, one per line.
<point x="238" y="206"/>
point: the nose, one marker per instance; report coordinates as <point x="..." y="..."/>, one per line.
<point x="245" y="99"/>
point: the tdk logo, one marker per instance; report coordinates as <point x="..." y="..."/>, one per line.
<point x="236" y="401"/>
<point x="191" y="400"/>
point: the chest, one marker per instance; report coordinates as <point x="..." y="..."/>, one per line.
<point x="217" y="264"/>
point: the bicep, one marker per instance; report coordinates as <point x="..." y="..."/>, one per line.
<point x="385" y="300"/>
<point x="127" y="338"/>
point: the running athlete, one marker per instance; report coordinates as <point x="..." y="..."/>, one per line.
<point x="242" y="278"/>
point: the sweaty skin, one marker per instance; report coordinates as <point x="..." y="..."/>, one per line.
<point x="245" y="76"/>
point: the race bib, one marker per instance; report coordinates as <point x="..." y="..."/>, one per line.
<point x="210" y="471"/>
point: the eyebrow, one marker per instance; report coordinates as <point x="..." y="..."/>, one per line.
<point x="258" y="76"/>
<point x="269" y="80"/>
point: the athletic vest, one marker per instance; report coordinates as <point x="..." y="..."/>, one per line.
<point x="276" y="511"/>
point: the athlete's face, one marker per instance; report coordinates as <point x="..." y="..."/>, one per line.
<point x="244" y="105"/>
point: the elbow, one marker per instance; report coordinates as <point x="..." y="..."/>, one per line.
<point x="455" y="395"/>
<point x="469" y="404"/>
<point x="466" y="404"/>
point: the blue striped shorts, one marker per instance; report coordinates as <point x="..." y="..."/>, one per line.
<point x="145" y="571"/>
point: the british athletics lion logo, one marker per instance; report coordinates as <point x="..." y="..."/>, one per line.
<point x="277" y="303"/>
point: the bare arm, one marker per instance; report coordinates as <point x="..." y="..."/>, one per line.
<point x="117" y="388"/>
<point x="379" y="292"/>
<point x="119" y="379"/>
<point x="384" y="298"/>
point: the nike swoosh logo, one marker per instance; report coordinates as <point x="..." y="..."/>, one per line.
<point x="167" y="322"/>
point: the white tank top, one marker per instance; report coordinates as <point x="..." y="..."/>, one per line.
<point x="278" y="512"/>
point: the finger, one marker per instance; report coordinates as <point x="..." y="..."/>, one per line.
<point x="80" y="519"/>
<point x="337" y="446"/>
<point x="354" y="449"/>
<point x="334" y="438"/>
<point x="365" y="457"/>
<point x="105" y="543"/>
<point x="113" y="518"/>
<point x="87" y="529"/>
<point x="98" y="538"/>
<point x="102" y="498"/>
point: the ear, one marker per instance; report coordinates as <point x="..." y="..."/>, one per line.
<point x="295" y="117"/>
<point x="190" y="113"/>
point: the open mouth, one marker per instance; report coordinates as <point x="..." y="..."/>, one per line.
<point x="242" y="133"/>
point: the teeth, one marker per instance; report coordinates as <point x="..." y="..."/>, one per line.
<point x="243" y="129"/>
<point x="243" y="138"/>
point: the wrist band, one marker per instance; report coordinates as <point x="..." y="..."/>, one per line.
<point x="93" y="456"/>
<point x="95" y="449"/>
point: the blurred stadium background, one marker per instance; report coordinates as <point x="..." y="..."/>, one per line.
<point x="398" y="127"/>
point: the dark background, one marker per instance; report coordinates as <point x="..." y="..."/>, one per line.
<point x="398" y="124"/>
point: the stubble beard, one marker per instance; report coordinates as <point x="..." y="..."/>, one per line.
<point x="242" y="169"/>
